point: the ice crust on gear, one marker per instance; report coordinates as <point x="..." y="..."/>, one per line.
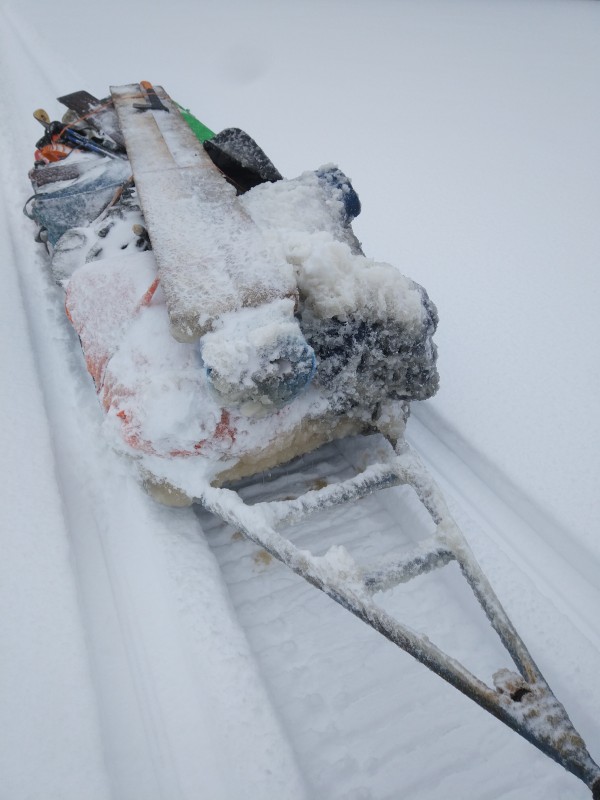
<point x="371" y="327"/>
<point x="78" y="200"/>
<point x="257" y="358"/>
<point x="306" y="205"/>
<point x="109" y="235"/>
<point x="306" y="221"/>
<point x="168" y="402"/>
<point x="338" y="347"/>
<point x="155" y="391"/>
<point x="120" y="282"/>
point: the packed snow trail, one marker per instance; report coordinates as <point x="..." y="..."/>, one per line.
<point x="49" y="707"/>
<point x="146" y="707"/>
<point x="157" y="622"/>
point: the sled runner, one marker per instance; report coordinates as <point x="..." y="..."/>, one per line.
<point x="231" y="322"/>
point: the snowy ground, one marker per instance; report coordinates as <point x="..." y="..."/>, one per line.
<point x="146" y="652"/>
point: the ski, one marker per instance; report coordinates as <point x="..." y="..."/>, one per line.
<point x="211" y="257"/>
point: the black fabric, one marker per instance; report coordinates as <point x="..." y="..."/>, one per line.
<point x="241" y="160"/>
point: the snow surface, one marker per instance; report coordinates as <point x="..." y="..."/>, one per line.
<point x="470" y="131"/>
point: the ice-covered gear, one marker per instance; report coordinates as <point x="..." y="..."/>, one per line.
<point x="334" y="179"/>
<point x="258" y="360"/>
<point x="340" y="347"/>
<point x="118" y="230"/>
<point x="85" y="184"/>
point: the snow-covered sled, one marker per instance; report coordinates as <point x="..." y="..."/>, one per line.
<point x="231" y="322"/>
<point x="284" y="336"/>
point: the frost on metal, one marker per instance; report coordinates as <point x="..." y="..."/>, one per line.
<point x="522" y="700"/>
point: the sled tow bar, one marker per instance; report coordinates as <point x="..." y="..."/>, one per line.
<point x="522" y="700"/>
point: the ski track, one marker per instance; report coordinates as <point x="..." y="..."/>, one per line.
<point x="151" y="626"/>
